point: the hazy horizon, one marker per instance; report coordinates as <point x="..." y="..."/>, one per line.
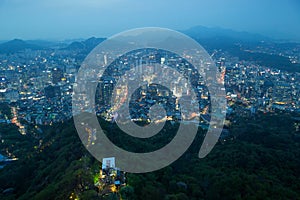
<point x="66" y="19"/>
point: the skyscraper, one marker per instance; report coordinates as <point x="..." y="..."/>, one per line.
<point x="57" y="75"/>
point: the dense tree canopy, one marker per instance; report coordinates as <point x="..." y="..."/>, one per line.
<point x="260" y="161"/>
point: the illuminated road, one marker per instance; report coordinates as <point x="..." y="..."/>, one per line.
<point x="15" y="121"/>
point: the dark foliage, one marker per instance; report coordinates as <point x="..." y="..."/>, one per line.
<point x="262" y="162"/>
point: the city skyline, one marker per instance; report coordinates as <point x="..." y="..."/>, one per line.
<point x="210" y="111"/>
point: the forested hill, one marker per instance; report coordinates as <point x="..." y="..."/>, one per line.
<point x="260" y="161"/>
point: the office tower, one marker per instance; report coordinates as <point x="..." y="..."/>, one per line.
<point x="57" y="75"/>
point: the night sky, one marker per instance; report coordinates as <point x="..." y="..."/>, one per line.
<point x="66" y="19"/>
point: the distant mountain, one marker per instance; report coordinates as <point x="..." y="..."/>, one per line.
<point x="2" y="41"/>
<point x="238" y="44"/>
<point x="86" y="45"/>
<point x="75" y="46"/>
<point x="216" y="33"/>
<point x="226" y="39"/>
<point x="43" y="43"/>
<point x="17" y="45"/>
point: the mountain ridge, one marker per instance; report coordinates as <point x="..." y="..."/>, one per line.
<point x="202" y="32"/>
<point x="17" y="45"/>
<point x="209" y="36"/>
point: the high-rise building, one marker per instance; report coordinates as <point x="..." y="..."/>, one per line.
<point x="57" y="75"/>
<point x="105" y="90"/>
